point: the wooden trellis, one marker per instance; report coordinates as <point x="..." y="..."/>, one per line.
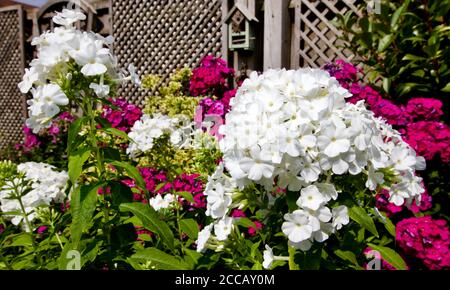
<point x="161" y="36"/>
<point x="314" y="37"/>
<point x="12" y="102"/>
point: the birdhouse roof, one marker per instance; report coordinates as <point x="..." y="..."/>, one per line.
<point x="244" y="10"/>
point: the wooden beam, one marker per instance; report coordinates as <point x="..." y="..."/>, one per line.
<point x="224" y="51"/>
<point x="276" y="34"/>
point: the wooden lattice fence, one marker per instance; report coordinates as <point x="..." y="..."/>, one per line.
<point x="314" y="36"/>
<point x="161" y="36"/>
<point x="12" y="102"/>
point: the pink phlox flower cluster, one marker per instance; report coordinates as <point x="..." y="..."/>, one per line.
<point x="53" y="133"/>
<point x="192" y="184"/>
<point x="429" y="138"/>
<point x="156" y="182"/>
<point x="211" y="77"/>
<point x="417" y="121"/>
<point x="123" y="116"/>
<point x="419" y="109"/>
<point x="426" y="239"/>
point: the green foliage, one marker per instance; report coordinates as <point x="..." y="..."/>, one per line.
<point x="83" y="204"/>
<point x="151" y="220"/>
<point x="176" y="161"/>
<point x="156" y="259"/>
<point x="359" y="215"/>
<point x="7" y="171"/>
<point x="406" y="46"/>
<point x="390" y="256"/>
<point x="172" y="99"/>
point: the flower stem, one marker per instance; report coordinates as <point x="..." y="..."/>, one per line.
<point x="292" y="264"/>
<point x="30" y="228"/>
<point x="93" y="139"/>
<point x="57" y="236"/>
<point x="179" y="226"/>
<point x="99" y="158"/>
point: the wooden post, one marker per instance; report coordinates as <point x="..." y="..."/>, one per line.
<point x="224" y="51"/>
<point x="276" y="34"/>
<point x="295" y="32"/>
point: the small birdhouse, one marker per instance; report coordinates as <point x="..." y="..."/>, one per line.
<point x="241" y="33"/>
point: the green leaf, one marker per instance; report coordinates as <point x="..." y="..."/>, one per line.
<point x="83" y="204"/>
<point x="390" y="227"/>
<point x="190" y="227"/>
<point x="309" y="260"/>
<point x="245" y="222"/>
<point x="103" y="122"/>
<point x="291" y="199"/>
<point x="19" y="240"/>
<point x="359" y="215"/>
<point x="413" y="57"/>
<point x="132" y="172"/>
<point x="91" y="252"/>
<point x="74" y="130"/>
<point x="347" y="256"/>
<point x="406" y="88"/>
<point x="111" y="153"/>
<point x="150" y="220"/>
<point x="118" y="133"/>
<point x="76" y="162"/>
<point x="159" y="186"/>
<point x="192" y="257"/>
<point x="120" y="193"/>
<point x="386" y="84"/>
<point x="419" y="73"/>
<point x="385" y="42"/>
<point x="390" y="256"/>
<point x="186" y="195"/>
<point x="446" y="88"/>
<point x="160" y="259"/>
<point x="396" y="16"/>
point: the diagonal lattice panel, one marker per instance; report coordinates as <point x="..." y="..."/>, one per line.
<point x="316" y="38"/>
<point x="161" y="36"/>
<point x="12" y="101"/>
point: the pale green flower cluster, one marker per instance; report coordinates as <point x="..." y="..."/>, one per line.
<point x="7" y="171"/>
<point x="173" y="99"/>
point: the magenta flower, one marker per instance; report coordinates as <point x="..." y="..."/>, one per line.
<point x="417" y="122"/>
<point x="429" y="138"/>
<point x="426" y="109"/>
<point x="425" y="239"/>
<point x="237" y="213"/>
<point x="253" y="230"/>
<point x="122" y="118"/>
<point x="211" y="78"/>
<point x="41" y="229"/>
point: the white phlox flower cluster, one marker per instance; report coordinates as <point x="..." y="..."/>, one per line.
<point x="56" y="51"/>
<point x="160" y="202"/>
<point x="219" y="193"/>
<point x="44" y="186"/>
<point x="293" y="130"/>
<point x="181" y="130"/>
